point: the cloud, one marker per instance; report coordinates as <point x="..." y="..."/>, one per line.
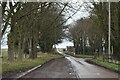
<point x="64" y="44"/>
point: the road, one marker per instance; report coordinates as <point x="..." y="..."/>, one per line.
<point x="71" y="67"/>
<point x="59" y="68"/>
<point x="86" y="70"/>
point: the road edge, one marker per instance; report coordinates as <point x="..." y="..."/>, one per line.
<point x="28" y="71"/>
<point x="34" y="68"/>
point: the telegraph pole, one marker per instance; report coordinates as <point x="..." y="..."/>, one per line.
<point x="109" y="31"/>
<point x="0" y="41"/>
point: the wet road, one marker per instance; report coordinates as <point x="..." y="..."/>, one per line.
<point x="86" y="70"/>
<point x="71" y="67"/>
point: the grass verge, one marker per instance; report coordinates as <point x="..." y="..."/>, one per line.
<point x="108" y="65"/>
<point x="83" y="56"/>
<point x="17" y="65"/>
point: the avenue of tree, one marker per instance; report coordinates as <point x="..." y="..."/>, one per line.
<point x="40" y="25"/>
<point x="33" y="26"/>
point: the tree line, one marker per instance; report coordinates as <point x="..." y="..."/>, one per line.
<point x="90" y="35"/>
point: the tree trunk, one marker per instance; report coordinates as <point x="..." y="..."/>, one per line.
<point x="19" y="51"/>
<point x="30" y="48"/>
<point x="10" y="47"/>
<point x="11" y="40"/>
<point x="34" y="49"/>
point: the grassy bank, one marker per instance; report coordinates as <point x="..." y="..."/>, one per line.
<point x="105" y="64"/>
<point x="17" y="65"/>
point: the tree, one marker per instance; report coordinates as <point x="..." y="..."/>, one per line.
<point x="101" y="11"/>
<point x="87" y="36"/>
<point x="32" y="24"/>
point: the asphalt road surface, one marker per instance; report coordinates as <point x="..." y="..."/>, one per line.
<point x="71" y="67"/>
<point x="86" y="70"/>
<point x="59" y="68"/>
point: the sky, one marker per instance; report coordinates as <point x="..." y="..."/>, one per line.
<point x="64" y="44"/>
<point x="78" y="15"/>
